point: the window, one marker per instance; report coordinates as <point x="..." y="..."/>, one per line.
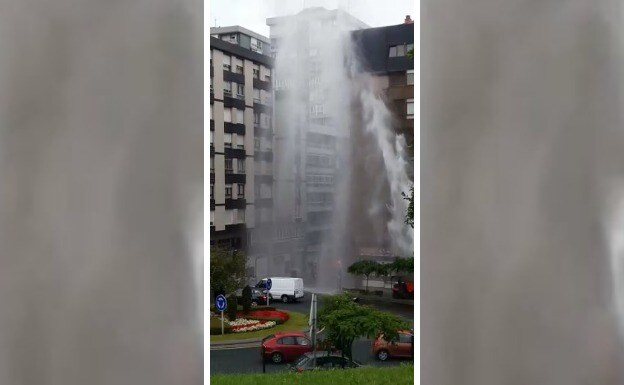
<point x="228" y="189"/>
<point x="211" y="191"/>
<point x="405" y="338"/>
<point x="240" y="116"/>
<point x="410" y="77"/>
<point x="240" y="215"/>
<point x="240" y="90"/>
<point x="316" y="109"/>
<point x="303" y="341"/>
<point x="239" y="69"/>
<point x="241" y="191"/>
<point x="227" y="89"/>
<point x="287" y="341"/>
<point x="257" y="144"/>
<point x="410" y="47"/>
<point x="211" y="137"/>
<point x="256" y="118"/>
<point x="240" y="141"/>
<point x="256" y="71"/>
<point x="211" y="164"/>
<point x="227" y="61"/>
<point x="228" y="165"/>
<point x="256" y="95"/>
<point x="401" y="50"/>
<point x="393" y="51"/>
<point x="241" y="166"/>
<point x="227" y="140"/>
<point x="410" y="108"/>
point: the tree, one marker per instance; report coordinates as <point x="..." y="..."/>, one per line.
<point x="246" y="299"/>
<point x="365" y="268"/>
<point x="402" y="265"/>
<point x="384" y="270"/>
<point x="232" y="306"/>
<point x="345" y="321"/>
<point x="409" y="215"/>
<point x="227" y="270"/>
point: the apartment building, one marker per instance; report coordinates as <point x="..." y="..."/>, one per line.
<point x="240" y="135"/>
<point x="384" y="51"/>
<point x="306" y="178"/>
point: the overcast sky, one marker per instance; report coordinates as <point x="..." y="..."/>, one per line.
<point x="252" y="14"/>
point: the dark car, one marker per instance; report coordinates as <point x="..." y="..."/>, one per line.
<point x="324" y="360"/>
<point x="258" y="296"/>
<point x="285" y="346"/>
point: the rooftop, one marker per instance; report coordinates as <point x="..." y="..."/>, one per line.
<point x="238" y="28"/>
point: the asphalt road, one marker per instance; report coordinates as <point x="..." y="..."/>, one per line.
<point x="247" y="360"/>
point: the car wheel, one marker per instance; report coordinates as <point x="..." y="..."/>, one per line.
<point x="277" y="357"/>
<point x="284" y="298"/>
<point x="382" y="355"/>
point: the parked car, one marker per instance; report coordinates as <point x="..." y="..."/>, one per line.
<point x="285" y="346"/>
<point x="324" y="360"/>
<point x="402" y="347"/>
<point x="283" y="288"/>
<point x="258" y="296"/>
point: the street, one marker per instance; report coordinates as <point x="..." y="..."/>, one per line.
<point x="247" y="360"/>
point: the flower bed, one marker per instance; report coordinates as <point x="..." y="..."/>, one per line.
<point x="277" y="316"/>
<point x="253" y="325"/>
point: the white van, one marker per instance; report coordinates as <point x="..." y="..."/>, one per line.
<point x="284" y="288"/>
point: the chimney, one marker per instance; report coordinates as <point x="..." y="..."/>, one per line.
<point x="408" y="20"/>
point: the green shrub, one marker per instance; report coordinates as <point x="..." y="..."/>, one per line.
<point x="246" y="299"/>
<point x="231" y="307"/>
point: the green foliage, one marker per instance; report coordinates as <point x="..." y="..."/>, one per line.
<point x="231" y="307"/>
<point x="345" y="321"/>
<point x="365" y="268"/>
<point x="227" y="270"/>
<point x="409" y="215"/>
<point x="402" y="265"/>
<point x="246" y="299"/>
<point x="396" y="375"/>
<point x="410" y="53"/>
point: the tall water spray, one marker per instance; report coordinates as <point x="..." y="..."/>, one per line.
<point x="322" y="91"/>
<point x="522" y="163"/>
<point x="100" y="192"/>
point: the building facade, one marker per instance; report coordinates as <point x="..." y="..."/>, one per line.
<point x="384" y="52"/>
<point x="240" y="135"/>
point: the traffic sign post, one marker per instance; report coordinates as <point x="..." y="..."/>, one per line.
<point x="221" y="305"/>
<point x="269" y="284"/>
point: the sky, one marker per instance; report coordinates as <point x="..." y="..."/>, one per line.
<point x="252" y="14"/>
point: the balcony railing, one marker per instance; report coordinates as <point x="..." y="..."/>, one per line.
<point x="227" y="93"/>
<point x="240" y="96"/>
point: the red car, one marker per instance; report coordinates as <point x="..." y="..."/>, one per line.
<point x="402" y="347"/>
<point x="285" y="346"/>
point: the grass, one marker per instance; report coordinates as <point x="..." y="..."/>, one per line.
<point x="396" y="375"/>
<point x="297" y="322"/>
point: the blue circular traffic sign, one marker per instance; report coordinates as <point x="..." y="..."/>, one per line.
<point x="221" y="303"/>
<point x="269" y="284"/>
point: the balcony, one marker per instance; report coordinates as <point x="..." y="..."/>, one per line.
<point x="238" y="153"/>
<point x="262" y="84"/>
<point x="235" y="204"/>
<point x="234" y="128"/>
<point x="235" y="178"/>
<point x="233" y="77"/>
<point x="212" y="125"/>
<point x="229" y="101"/>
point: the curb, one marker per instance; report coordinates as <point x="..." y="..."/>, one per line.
<point x="233" y="344"/>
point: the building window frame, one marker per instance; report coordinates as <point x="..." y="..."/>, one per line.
<point x="229" y="167"/>
<point x="228" y="191"/>
<point x="410" y="103"/>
